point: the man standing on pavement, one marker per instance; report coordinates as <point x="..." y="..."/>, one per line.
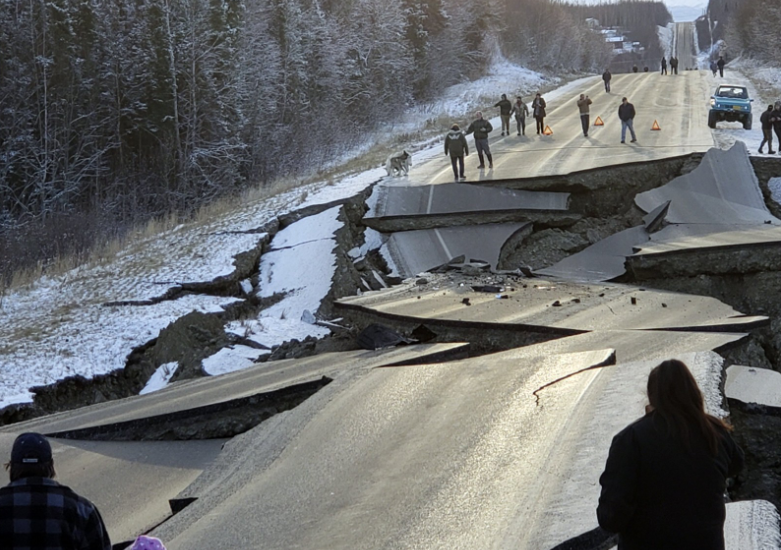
<point x="720" y="64"/>
<point x="520" y="110"/>
<point x="505" y="107"/>
<point x="583" y="104"/>
<point x="664" y="65"/>
<point x="36" y="512"/>
<point x="626" y="112"/>
<point x="457" y="147"/>
<point x="481" y="129"/>
<point x="606" y="76"/>
<point x="767" y="130"/>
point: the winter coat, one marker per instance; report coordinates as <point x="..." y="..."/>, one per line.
<point x="659" y="494"/>
<point x="520" y="110"/>
<point x="775" y="117"/>
<point x="606" y="76"/>
<point x="664" y="62"/>
<point x="766" y="120"/>
<point x="538" y="107"/>
<point x="455" y="144"/>
<point x="720" y="63"/>
<point x="626" y="111"/>
<point x="481" y="127"/>
<point x="583" y="105"/>
<point x="504" y="106"/>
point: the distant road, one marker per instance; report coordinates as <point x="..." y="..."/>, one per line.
<point x="679" y="103"/>
<point x="684" y="46"/>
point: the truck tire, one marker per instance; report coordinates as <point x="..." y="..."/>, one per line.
<point x="711" y="119"/>
<point x="747" y="122"/>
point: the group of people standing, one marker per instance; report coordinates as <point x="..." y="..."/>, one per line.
<point x="771" y="121"/>
<point x="456" y="146"/>
<point x="718" y="66"/>
<point x="673" y="65"/>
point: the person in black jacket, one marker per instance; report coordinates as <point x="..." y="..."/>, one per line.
<point x="505" y="108"/>
<point x="538" y="112"/>
<point x="666" y="474"/>
<point x="481" y="128"/>
<point x="767" y="130"/>
<point x="626" y="112"/>
<point x="720" y="64"/>
<point x="606" y="76"/>
<point x="457" y="147"/>
<point x="775" y="119"/>
<point x="664" y="65"/>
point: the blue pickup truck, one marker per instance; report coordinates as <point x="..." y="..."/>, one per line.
<point x="730" y="103"/>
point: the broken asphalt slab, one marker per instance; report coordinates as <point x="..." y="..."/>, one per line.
<point x="453" y="455"/>
<point x="537" y="305"/>
<point x="723" y="189"/>
<point x="403" y="208"/>
<point x="414" y="252"/>
<point x="208" y="400"/>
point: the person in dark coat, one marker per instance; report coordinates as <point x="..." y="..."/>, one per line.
<point x="538" y="111"/>
<point x="481" y="128"/>
<point x="720" y="64"/>
<point x="520" y="110"/>
<point x="664" y="65"/>
<point x="714" y="67"/>
<point x="583" y="108"/>
<point x="775" y="119"/>
<point x="505" y="107"/>
<point x="767" y="130"/>
<point x="38" y="512"/>
<point x="673" y="65"/>
<point x="457" y="147"/>
<point x="626" y="112"/>
<point x="666" y="474"/>
<point x="606" y="76"/>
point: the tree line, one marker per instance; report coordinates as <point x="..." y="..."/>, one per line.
<point x="749" y="27"/>
<point x="116" y="112"/>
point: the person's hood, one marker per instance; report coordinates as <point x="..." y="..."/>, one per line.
<point x="453" y="134"/>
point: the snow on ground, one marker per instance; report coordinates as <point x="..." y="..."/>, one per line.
<point x="160" y="378"/>
<point x="231" y="359"/>
<point x="59" y="327"/>
<point x="775" y="189"/>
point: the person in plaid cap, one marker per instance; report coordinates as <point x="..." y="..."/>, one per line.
<point x="37" y="513"/>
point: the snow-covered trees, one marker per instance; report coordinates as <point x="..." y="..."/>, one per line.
<point x="132" y="109"/>
<point x="751" y="28"/>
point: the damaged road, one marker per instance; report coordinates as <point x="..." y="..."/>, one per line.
<point x="447" y="454"/>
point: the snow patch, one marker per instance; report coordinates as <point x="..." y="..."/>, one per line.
<point x="160" y="378"/>
<point x="775" y="189"/>
<point x="231" y="359"/>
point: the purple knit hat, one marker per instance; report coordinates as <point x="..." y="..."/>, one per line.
<point x="147" y="543"/>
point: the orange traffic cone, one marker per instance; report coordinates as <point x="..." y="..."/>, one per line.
<point x="547" y="131"/>
<point x="655" y="126"/>
<point x="598" y="122"/>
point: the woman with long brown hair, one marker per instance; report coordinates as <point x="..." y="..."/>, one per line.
<point x="664" y="481"/>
